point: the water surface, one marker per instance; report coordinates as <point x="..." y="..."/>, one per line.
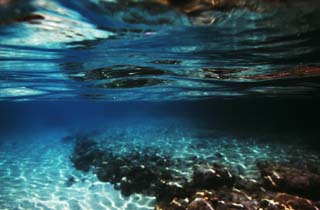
<point x="143" y="50"/>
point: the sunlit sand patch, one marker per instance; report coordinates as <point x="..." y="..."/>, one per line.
<point x="34" y="175"/>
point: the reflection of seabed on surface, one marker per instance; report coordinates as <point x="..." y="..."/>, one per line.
<point x="54" y="50"/>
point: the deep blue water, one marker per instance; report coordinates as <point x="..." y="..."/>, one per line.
<point x="187" y="85"/>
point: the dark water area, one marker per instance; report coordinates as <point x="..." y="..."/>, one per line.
<point x="159" y="104"/>
<point x="255" y="117"/>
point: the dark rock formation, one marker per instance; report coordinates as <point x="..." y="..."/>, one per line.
<point x="213" y="186"/>
<point x="249" y="185"/>
<point x="297" y="181"/>
<point x="71" y="180"/>
<point x="132" y="172"/>
<point x="233" y="199"/>
<point x="86" y="154"/>
<point x="285" y="201"/>
<point x="210" y="177"/>
<point x="200" y="203"/>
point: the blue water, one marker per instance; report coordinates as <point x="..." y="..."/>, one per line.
<point x="185" y="85"/>
<point x="145" y="51"/>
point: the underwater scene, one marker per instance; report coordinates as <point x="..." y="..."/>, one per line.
<point x="160" y="104"/>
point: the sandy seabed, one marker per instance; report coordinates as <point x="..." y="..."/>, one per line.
<point x="36" y="171"/>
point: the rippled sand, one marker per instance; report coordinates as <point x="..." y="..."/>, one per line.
<point x="34" y="175"/>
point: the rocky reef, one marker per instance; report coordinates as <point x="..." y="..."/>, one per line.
<point x="215" y="187"/>
<point x="299" y="181"/>
<point x="210" y="186"/>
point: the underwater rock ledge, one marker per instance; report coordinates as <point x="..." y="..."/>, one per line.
<point x="212" y="186"/>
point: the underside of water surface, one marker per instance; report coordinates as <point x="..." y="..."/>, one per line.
<point x="159" y="104"/>
<point x="158" y="50"/>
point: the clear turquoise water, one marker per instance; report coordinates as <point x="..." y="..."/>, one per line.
<point x="136" y="75"/>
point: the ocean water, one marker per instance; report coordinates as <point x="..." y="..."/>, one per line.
<point x="118" y="104"/>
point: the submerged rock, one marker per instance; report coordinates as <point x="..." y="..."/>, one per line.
<point x="249" y="185"/>
<point x="297" y="181"/>
<point x="71" y="180"/>
<point x="200" y="204"/>
<point x="166" y="191"/>
<point x="233" y="199"/>
<point x="86" y="154"/>
<point x="285" y="201"/>
<point x="131" y="172"/>
<point x="137" y="180"/>
<point x="210" y="177"/>
<point x="212" y="187"/>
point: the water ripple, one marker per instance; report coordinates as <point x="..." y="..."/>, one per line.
<point x="158" y="50"/>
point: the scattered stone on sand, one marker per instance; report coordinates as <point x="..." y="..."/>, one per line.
<point x="71" y="180"/>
